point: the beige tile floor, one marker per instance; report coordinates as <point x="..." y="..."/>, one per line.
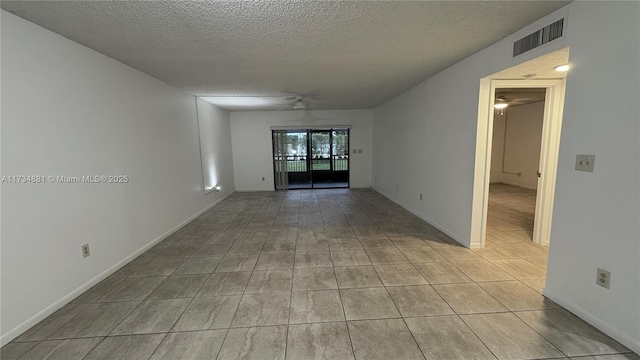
<point x="326" y="274"/>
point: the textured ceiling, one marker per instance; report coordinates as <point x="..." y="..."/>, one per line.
<point x="345" y="54"/>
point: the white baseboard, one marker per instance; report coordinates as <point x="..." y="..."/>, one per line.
<point x="253" y="190"/>
<point x="359" y="186"/>
<point x="625" y="339"/>
<point x="41" y="315"/>
<point x="451" y="234"/>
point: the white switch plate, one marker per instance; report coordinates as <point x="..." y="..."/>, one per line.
<point x="585" y="162"/>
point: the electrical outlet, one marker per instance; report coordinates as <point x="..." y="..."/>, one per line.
<point x="85" y="250"/>
<point x="397" y="187"/>
<point x="420" y="197"/>
<point x="263" y="178"/>
<point x="604" y="278"/>
<point x="585" y="162"/>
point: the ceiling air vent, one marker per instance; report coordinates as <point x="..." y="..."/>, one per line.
<point x="540" y="37"/>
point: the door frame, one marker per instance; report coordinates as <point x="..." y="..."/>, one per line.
<point x="319" y="173"/>
<point x="550" y="145"/>
<point x="309" y="160"/>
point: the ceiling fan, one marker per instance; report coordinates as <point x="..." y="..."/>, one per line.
<point x="299" y="103"/>
<point x="521" y="98"/>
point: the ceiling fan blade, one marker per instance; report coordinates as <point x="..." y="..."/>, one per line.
<point x="304" y="94"/>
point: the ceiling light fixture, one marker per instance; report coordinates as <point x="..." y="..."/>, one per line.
<point x="562" y="68"/>
<point x="500" y="107"/>
<point x="299" y="105"/>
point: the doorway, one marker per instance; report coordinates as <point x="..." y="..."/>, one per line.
<point x="546" y="174"/>
<point x="539" y="73"/>
<point x="311" y="158"/>
<point x="515" y="163"/>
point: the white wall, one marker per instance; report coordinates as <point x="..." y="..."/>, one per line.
<point x="68" y="110"/>
<point x="215" y="147"/>
<point x="520" y="146"/>
<point x="252" y="148"/>
<point x="601" y="229"/>
<point x="497" y="148"/>
<point x="596" y="215"/>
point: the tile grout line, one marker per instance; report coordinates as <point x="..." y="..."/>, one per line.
<point x="286" y="336"/>
<point x="346" y="322"/>
<point x="85" y="356"/>
<point x="405" y="323"/>
<point x="477" y="336"/>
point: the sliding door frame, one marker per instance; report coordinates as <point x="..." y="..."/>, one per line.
<point x="309" y="158"/>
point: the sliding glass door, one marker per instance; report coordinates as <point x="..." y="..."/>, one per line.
<point x="321" y="157"/>
<point x="299" y="176"/>
<point x="280" y="151"/>
<point x="311" y="158"/>
<point x="340" y="155"/>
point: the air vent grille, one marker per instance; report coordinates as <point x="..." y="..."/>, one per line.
<point x="540" y="37"/>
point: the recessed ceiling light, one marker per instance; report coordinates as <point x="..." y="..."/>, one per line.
<point x="562" y="68"/>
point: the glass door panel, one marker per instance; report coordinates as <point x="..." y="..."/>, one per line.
<point x="340" y="156"/>
<point x="311" y="158"/>
<point x="321" y="156"/>
<point x="280" y="160"/>
<point x="298" y="159"/>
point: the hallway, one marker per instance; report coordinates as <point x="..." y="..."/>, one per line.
<point x="332" y="274"/>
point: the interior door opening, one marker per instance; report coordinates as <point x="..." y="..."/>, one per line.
<point x="311" y="158"/>
<point x="548" y="156"/>
<point x="515" y="163"/>
<point x="522" y="146"/>
<point x="533" y="74"/>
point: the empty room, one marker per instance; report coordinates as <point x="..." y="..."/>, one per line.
<point x="319" y="180"/>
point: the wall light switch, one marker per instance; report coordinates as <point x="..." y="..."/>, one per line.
<point x="359" y="151"/>
<point x="355" y="151"/>
<point x="585" y="162"/>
